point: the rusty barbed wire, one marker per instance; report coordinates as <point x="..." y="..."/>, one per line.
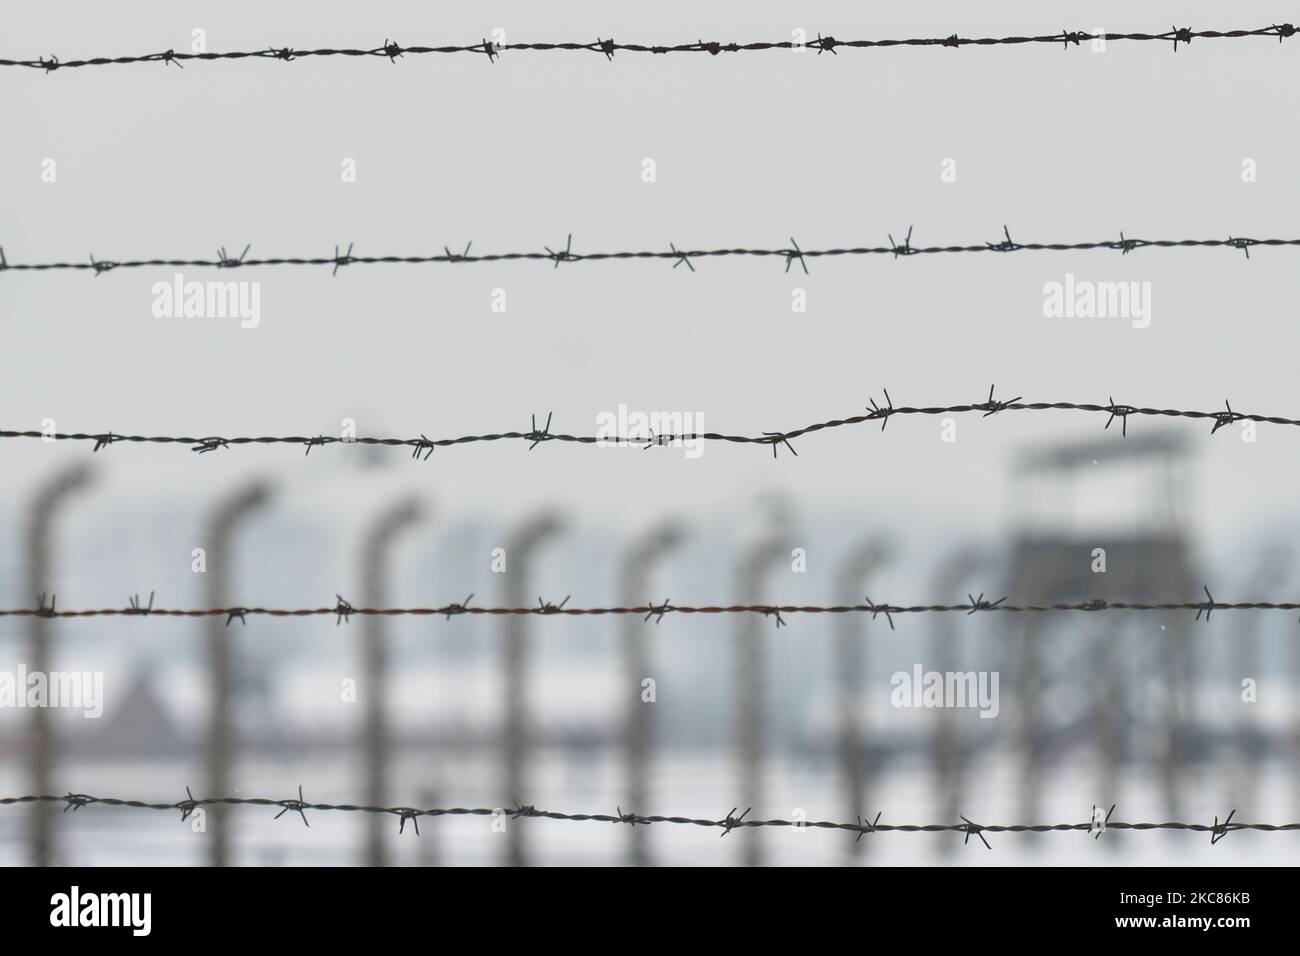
<point x="790" y="255"/>
<point x="606" y="47"/>
<point x="732" y="821"/>
<point x="423" y="446"/>
<point x="342" y="610"/>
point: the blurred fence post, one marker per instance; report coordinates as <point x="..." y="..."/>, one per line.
<point x="1109" y="706"/>
<point x="1290" y="732"/>
<point x="954" y="573"/>
<point x="1251" y="743"/>
<point x="224" y="521"/>
<point x="520" y="547"/>
<point x="850" y="665"/>
<point x="1031" y="731"/>
<point x="637" y="566"/>
<point x="375" y="571"/>
<point x="750" y="649"/>
<point x="428" y="849"/>
<point x="1178" y="649"/>
<point x="40" y="581"/>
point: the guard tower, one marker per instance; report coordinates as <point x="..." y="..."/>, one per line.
<point x="1106" y="520"/>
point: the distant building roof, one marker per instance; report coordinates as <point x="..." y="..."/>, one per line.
<point x="1103" y="451"/>
<point x="137" y="725"/>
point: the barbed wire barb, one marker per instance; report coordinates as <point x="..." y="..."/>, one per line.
<point x="1207" y="606"/>
<point x="546" y="607"/>
<point x="102" y="265"/>
<point x="343" y="260"/>
<point x="42" y="610"/>
<point x="657" y="611"/>
<point x="563" y="255"/>
<point x="795" y="253"/>
<point x="882" y="412"/>
<point x="316" y="442"/>
<point x="1102" y="828"/>
<point x="992" y="407"/>
<point x="523" y="810"/>
<point x="1006" y="245"/>
<point x="979" y="604"/>
<point x="779" y="438"/>
<point x="206" y="445"/>
<point x="1122" y="412"/>
<point x="976" y="830"/>
<point x="188" y="805"/>
<point x="682" y="258"/>
<point x="630" y="819"/>
<point x="299" y="806"/>
<point x="1224" y="418"/>
<point x="426" y="445"/>
<point x="103" y="440"/>
<point x="135" y="604"/>
<point x="732" y="821"/>
<point x="458" y="257"/>
<point x="225" y="261"/>
<point x="868" y="826"/>
<point x="461" y="608"/>
<point x="537" y="436"/>
<point x="1221" y="830"/>
<point x="1242" y="244"/>
<point x="876" y="609"/>
<point x="905" y="247"/>
<point x="75" y="801"/>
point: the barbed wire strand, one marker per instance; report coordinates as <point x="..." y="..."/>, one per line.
<point x="342" y="609"/>
<point x="732" y="821"/>
<point x="423" y="446"/>
<point x="790" y="255"/>
<point x="608" y="47"/>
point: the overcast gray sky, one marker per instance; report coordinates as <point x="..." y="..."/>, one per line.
<point x="750" y="149"/>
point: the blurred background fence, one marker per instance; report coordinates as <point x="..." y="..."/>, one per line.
<point x="673" y="716"/>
